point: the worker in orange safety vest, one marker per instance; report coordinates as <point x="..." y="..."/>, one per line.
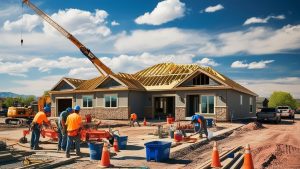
<point x="74" y="125"/>
<point x="39" y="119"/>
<point x="133" y="119"/>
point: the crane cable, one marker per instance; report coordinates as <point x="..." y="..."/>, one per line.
<point x="22" y="23"/>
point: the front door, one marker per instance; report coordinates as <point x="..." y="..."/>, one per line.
<point x="63" y="104"/>
<point x="164" y="106"/>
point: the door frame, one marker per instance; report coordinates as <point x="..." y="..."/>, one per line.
<point x="56" y="103"/>
<point x="163" y="95"/>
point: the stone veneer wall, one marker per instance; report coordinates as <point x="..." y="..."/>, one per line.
<point x="106" y="113"/>
<point x="180" y="113"/>
<point x="53" y="112"/>
<point x="221" y="114"/>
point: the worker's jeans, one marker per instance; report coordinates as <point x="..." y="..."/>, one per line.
<point x="70" y="141"/>
<point x="133" y="121"/>
<point x="35" y="136"/>
<point x="202" y="129"/>
<point x="62" y="139"/>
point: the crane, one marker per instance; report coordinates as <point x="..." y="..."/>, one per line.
<point x="102" y="68"/>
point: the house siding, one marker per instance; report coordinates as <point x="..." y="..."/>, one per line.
<point x="238" y="111"/>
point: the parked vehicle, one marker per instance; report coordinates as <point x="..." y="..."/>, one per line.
<point x="286" y="111"/>
<point x="269" y="114"/>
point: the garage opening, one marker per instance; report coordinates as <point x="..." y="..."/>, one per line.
<point x="63" y="104"/>
<point x="163" y="107"/>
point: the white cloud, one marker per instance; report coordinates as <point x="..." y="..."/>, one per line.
<point x="254" y="20"/>
<point x="165" y="11"/>
<point x="211" y="9"/>
<point x="26" y="23"/>
<point x="207" y="62"/>
<point x="34" y="86"/>
<point x="253" y="65"/>
<point x="115" y="23"/>
<point x="80" y="22"/>
<point x="265" y="87"/>
<point x="158" y="39"/>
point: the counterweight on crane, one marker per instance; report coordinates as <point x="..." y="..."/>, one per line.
<point x="103" y="69"/>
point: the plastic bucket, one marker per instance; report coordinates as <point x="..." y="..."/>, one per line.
<point x="95" y="150"/>
<point x="169" y="120"/>
<point x="157" y="150"/>
<point x="209" y="122"/>
<point x="122" y="141"/>
<point x="210" y="134"/>
<point x="88" y="118"/>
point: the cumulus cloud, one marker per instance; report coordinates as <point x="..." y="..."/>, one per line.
<point x="80" y="22"/>
<point x="114" y="23"/>
<point x="40" y="85"/>
<point x="165" y="11"/>
<point x="252" y="41"/>
<point x="207" y="62"/>
<point x="253" y="65"/>
<point x="211" y="9"/>
<point x="153" y="40"/>
<point x="254" y="20"/>
<point x="265" y="87"/>
<point x="26" y="23"/>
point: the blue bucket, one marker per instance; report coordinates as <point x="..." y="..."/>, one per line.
<point x="122" y="141"/>
<point x="158" y="150"/>
<point x="209" y="122"/>
<point x="95" y="150"/>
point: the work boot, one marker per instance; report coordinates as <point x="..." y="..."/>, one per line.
<point x="58" y="149"/>
<point x="67" y="155"/>
<point x="37" y="148"/>
<point x="79" y="154"/>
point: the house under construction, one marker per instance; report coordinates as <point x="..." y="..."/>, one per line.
<point x="156" y="92"/>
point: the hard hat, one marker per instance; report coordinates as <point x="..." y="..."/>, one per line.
<point x="69" y="109"/>
<point x="77" y="108"/>
<point x="47" y="109"/>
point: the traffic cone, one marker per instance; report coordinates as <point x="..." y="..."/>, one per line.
<point x="116" y="145"/>
<point x="248" y="162"/>
<point x="215" y="159"/>
<point x="145" y="122"/>
<point x="105" y="158"/>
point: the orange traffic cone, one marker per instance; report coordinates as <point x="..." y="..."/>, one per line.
<point x="105" y="158"/>
<point x="248" y="162"/>
<point x="116" y="145"/>
<point x="145" y="122"/>
<point x="215" y="159"/>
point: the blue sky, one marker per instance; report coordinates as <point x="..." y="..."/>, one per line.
<point x="256" y="43"/>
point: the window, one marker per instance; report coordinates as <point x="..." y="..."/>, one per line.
<point x="241" y="99"/>
<point x="201" y="79"/>
<point x="250" y="105"/>
<point x="110" y="100"/>
<point x="87" y="101"/>
<point x="207" y="104"/>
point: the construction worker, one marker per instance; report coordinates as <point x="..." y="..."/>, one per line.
<point x="39" y="119"/>
<point x="62" y="129"/>
<point x="200" y="125"/>
<point x="74" y="124"/>
<point x="133" y="119"/>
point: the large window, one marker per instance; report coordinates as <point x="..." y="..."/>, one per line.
<point x="207" y="104"/>
<point x="111" y="100"/>
<point x="87" y="101"/>
<point x="201" y="79"/>
<point x="250" y="104"/>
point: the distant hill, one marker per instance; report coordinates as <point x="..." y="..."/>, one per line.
<point x="10" y="94"/>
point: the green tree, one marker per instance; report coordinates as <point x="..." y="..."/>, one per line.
<point x="280" y="98"/>
<point x="28" y="100"/>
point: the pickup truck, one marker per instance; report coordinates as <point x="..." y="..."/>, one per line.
<point x="269" y="114"/>
<point x="286" y="111"/>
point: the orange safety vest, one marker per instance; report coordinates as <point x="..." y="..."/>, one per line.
<point x="133" y="116"/>
<point x="73" y="124"/>
<point x="39" y="118"/>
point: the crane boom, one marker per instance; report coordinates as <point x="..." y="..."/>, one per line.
<point x="102" y="68"/>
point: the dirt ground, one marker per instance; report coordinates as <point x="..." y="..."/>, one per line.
<point x="272" y="146"/>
